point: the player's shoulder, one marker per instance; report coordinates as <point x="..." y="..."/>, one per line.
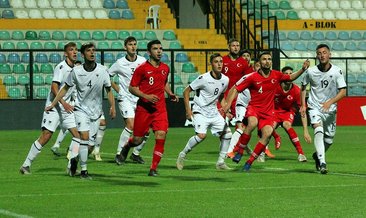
<point x="335" y="69"/>
<point x="62" y="66"/>
<point x="140" y="59"/>
<point x="101" y="67"/>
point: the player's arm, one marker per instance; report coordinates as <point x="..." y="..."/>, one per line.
<point x="168" y="90"/>
<point x="59" y="95"/>
<point x="233" y="93"/>
<point x="302" y="100"/>
<point x="304" y="121"/>
<point x="305" y="66"/>
<point x="112" y="110"/>
<point x="115" y="86"/>
<point x="187" y="105"/>
<point x="339" y="96"/>
<point x="55" y="88"/>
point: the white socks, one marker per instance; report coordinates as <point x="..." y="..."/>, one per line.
<point x="123" y="139"/>
<point x="319" y="143"/>
<point x="234" y="139"/>
<point x="83" y="154"/>
<point x="192" y="142"/>
<point x="32" y="154"/>
<point x="99" y="139"/>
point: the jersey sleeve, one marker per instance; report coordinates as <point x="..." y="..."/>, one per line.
<point x="113" y="70"/>
<point x="244" y="82"/>
<point x="107" y="79"/>
<point x="197" y="83"/>
<point x="57" y="74"/>
<point x="284" y="77"/>
<point x="70" y="79"/>
<point x="341" y="83"/>
<point x="305" y="79"/>
<point x="137" y="76"/>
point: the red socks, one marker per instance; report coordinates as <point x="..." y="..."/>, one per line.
<point x="158" y="153"/>
<point x="295" y="140"/>
<point x="259" y="148"/>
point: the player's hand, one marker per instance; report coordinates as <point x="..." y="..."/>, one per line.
<point x="152" y="98"/>
<point x="68" y="108"/>
<point x="326" y="106"/>
<point x="307" y="137"/>
<point x="49" y="107"/>
<point x="189" y="115"/>
<point x="174" y="98"/>
<point x="112" y="112"/>
<point x="305" y="65"/>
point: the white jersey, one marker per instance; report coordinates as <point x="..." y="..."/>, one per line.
<point x="124" y="69"/>
<point x="208" y="90"/>
<point x="60" y="74"/>
<point x="89" y="87"/>
<point x="323" y="86"/>
<point x="243" y="98"/>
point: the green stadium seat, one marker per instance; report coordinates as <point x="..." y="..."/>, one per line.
<point x="13" y="58"/>
<point x="49" y="45"/>
<point x="127" y="14"/>
<point x="138" y="35"/>
<point x="175" y="45"/>
<point x="5" y="69"/>
<point x="78" y="45"/>
<point x="116" y="45"/>
<point x="122" y="4"/>
<point x="188" y="68"/>
<point x="192" y="77"/>
<point x="38" y="80"/>
<point x="284" y="5"/>
<point x="111" y="35"/>
<point x="14" y="93"/>
<point x="179" y="91"/>
<point x="23" y="80"/>
<point x="169" y="35"/>
<point x="36" y="45"/>
<point x="177" y="80"/>
<point x="46" y="69"/>
<point x="31" y="35"/>
<point x="84" y="35"/>
<point x="273" y="5"/>
<point x="292" y="15"/>
<point x="142" y="45"/>
<point x="9" y="80"/>
<point x="150" y="35"/>
<point x="71" y="35"/>
<point x="22" y="45"/>
<point x="8" y="45"/>
<point x="18" y="69"/>
<point x="17" y="35"/>
<point x="98" y="35"/>
<point x="4" y="35"/>
<point x="35" y="68"/>
<point x="48" y="79"/>
<point x="58" y="35"/>
<point x="280" y="15"/>
<point x="42" y="92"/>
<point x="114" y="14"/>
<point x="102" y="45"/>
<point x="123" y="34"/>
<point x="44" y="35"/>
<point x="2" y="58"/>
<point x="60" y="45"/>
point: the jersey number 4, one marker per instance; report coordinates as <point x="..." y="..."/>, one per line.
<point x="89" y="84"/>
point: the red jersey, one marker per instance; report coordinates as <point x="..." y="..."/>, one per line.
<point x="262" y="90"/>
<point x="287" y="101"/>
<point x="151" y="80"/>
<point x="235" y="69"/>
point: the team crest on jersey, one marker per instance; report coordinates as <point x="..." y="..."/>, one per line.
<point x="273" y="81"/>
<point x="163" y="72"/>
<point x="200" y="77"/>
<point x="289" y="97"/>
<point x="61" y="66"/>
<point x="222" y="84"/>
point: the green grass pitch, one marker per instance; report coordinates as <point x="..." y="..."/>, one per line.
<point x="280" y="187"/>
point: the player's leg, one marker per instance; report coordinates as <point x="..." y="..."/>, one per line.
<point x="266" y="129"/>
<point x="277" y="139"/>
<point x="60" y="137"/>
<point x="135" y="155"/>
<point x="317" y="123"/>
<point x="219" y="128"/>
<point x="295" y="140"/>
<point x="49" y="124"/>
<point x="68" y="122"/>
<point x="98" y="141"/>
<point x="201" y="124"/>
<point x="245" y="138"/>
<point x="239" y="129"/>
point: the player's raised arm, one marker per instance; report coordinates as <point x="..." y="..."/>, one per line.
<point x="59" y="95"/>
<point x="233" y="93"/>
<point x="305" y="66"/>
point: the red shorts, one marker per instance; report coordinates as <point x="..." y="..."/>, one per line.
<point x="144" y="120"/>
<point x="281" y="117"/>
<point x="263" y="119"/>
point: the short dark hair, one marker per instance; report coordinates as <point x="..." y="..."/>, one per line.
<point x="214" y="55"/>
<point x="86" y="46"/>
<point x="68" y="45"/>
<point x="322" y="46"/>
<point x="152" y="42"/>
<point x="264" y="53"/>
<point x="245" y="51"/>
<point x="129" y="39"/>
<point x="286" y="68"/>
<point x="232" y="40"/>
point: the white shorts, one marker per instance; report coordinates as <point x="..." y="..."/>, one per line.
<point x="327" y="120"/>
<point x="127" y="108"/>
<point x="85" y="124"/>
<point x="240" y="112"/>
<point x="50" y="120"/>
<point x="241" y="104"/>
<point x="202" y="123"/>
<point x="67" y="120"/>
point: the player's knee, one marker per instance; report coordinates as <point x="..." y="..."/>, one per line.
<point x="286" y="125"/>
<point x="202" y="136"/>
<point x="328" y="140"/>
<point x="227" y="135"/>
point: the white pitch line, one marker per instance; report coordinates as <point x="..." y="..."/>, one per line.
<point x="184" y="190"/>
<point x="9" y="213"/>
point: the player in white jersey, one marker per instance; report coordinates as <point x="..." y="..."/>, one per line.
<point x="89" y="80"/>
<point x="327" y="87"/>
<point x="61" y="114"/>
<point x="209" y="88"/>
<point x="124" y="68"/>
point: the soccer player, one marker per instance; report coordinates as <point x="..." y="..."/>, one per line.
<point x="260" y="110"/>
<point x="149" y="81"/>
<point x="89" y="80"/>
<point x="209" y="88"/>
<point x="327" y="87"/>
<point x="287" y="102"/>
<point x="61" y="114"/>
<point x="234" y="67"/>
<point x="124" y="68"/>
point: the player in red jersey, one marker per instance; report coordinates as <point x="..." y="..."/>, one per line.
<point x="149" y="82"/>
<point x="260" y="112"/>
<point x="235" y="67"/>
<point x="287" y="102"/>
